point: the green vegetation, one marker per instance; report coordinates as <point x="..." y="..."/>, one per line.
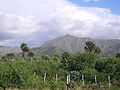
<point x="50" y="72"/>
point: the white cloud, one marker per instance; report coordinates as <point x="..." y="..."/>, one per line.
<point x="42" y="20"/>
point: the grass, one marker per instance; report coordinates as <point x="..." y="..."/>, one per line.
<point x="78" y="88"/>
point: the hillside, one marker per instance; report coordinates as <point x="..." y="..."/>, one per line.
<point x="74" y="44"/>
<point x="4" y="50"/>
<point x="52" y="50"/>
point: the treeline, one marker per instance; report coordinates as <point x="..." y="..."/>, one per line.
<point x="47" y="72"/>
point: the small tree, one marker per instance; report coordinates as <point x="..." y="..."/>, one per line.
<point x="30" y="55"/>
<point x="10" y="56"/>
<point x="65" y="57"/>
<point x="3" y="58"/>
<point x="45" y="57"/>
<point x="118" y="55"/>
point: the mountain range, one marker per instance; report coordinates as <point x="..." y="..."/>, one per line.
<point x="69" y="43"/>
<point x="72" y="44"/>
<point x="4" y="50"/>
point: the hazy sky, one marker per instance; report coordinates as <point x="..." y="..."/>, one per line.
<point x="36" y="21"/>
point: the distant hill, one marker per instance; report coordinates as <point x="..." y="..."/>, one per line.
<point x="4" y="50"/>
<point x="74" y="44"/>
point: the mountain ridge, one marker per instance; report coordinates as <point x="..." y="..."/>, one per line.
<point x="74" y="44"/>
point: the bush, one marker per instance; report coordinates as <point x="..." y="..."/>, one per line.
<point x="29" y="74"/>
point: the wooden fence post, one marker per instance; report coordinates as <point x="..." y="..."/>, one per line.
<point x="56" y="77"/>
<point x="109" y="81"/>
<point x="69" y="78"/>
<point x="95" y="80"/>
<point x="83" y="82"/>
<point x="44" y="77"/>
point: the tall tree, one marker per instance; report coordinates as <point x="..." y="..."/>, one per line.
<point x="25" y="50"/>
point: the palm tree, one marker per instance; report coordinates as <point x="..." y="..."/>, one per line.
<point x="91" y="47"/>
<point x="25" y="50"/>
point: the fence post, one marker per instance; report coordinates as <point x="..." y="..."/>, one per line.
<point x="83" y="82"/>
<point x="44" y="77"/>
<point x="69" y="78"/>
<point x="109" y="81"/>
<point x="95" y="80"/>
<point x="56" y="77"/>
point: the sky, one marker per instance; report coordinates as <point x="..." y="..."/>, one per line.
<point x="113" y="5"/>
<point x="37" y="21"/>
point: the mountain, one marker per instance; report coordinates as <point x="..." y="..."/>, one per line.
<point x="51" y="51"/>
<point x="4" y="50"/>
<point x="74" y="44"/>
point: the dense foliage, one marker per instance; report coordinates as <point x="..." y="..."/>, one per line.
<point x="51" y="72"/>
<point x="29" y="74"/>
